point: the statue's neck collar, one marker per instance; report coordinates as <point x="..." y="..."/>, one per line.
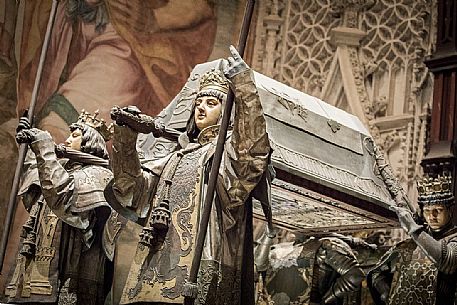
<point x="208" y="134"/>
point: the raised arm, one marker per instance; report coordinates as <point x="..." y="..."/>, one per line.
<point x="57" y="185"/>
<point x="247" y="153"/>
<point x="442" y="253"/>
<point x="132" y="184"/>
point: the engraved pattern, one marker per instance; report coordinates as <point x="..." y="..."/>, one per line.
<point x="305" y="212"/>
<point x="417" y="281"/>
<point x="163" y="266"/>
<point x="326" y="172"/>
<point x="183" y="185"/>
<point x="208" y="276"/>
<point x="66" y="297"/>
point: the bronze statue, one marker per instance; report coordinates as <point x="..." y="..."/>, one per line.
<point x="167" y="194"/>
<point x="421" y="270"/>
<point x="61" y="259"/>
<point x="311" y="271"/>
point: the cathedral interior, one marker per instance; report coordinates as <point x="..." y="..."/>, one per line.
<point x="359" y="100"/>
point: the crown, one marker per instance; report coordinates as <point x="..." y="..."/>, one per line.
<point x="213" y="80"/>
<point x="97" y="123"/>
<point x="435" y="190"/>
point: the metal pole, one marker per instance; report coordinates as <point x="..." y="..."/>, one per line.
<point x="12" y="203"/>
<point x="217" y="159"/>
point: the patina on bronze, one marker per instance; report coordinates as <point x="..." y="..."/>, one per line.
<point x="314" y="271"/>
<point x="180" y="179"/>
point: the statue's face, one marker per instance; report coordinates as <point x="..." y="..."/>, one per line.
<point x="207" y="111"/>
<point x="437" y="216"/>
<point x="74" y="140"/>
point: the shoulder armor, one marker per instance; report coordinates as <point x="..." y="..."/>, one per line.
<point x="336" y="244"/>
<point x="90" y="182"/>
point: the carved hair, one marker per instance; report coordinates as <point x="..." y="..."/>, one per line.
<point x="92" y="141"/>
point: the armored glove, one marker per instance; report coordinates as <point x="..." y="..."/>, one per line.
<point x="262" y="250"/>
<point x="24" y="131"/>
<point x="406" y="220"/>
<point x="234" y="64"/>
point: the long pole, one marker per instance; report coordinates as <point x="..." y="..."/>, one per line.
<point x="12" y="203"/>
<point x="188" y="300"/>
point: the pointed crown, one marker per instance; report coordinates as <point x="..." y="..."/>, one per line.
<point x="213" y="80"/>
<point x="436" y="190"/>
<point x="98" y="124"/>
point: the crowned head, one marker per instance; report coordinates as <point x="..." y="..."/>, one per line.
<point x="93" y="133"/>
<point x="435" y="190"/>
<point x="213" y="83"/>
<point x="435" y="200"/>
<point x="99" y="124"/>
<point x="207" y="107"/>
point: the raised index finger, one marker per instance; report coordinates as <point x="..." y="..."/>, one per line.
<point x="235" y="53"/>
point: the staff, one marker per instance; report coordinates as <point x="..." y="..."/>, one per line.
<point x="190" y="288"/>
<point x="393" y="186"/>
<point x="12" y="203"/>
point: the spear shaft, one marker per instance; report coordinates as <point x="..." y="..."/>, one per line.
<point x="217" y="159"/>
<point x="12" y="203"/>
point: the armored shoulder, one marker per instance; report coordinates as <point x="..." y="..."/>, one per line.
<point x="337" y="245"/>
<point x="90" y="182"/>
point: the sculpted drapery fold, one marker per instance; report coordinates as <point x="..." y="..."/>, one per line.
<point x="158" y="275"/>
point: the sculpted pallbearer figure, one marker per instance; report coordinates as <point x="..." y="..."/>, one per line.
<point x="314" y="271"/>
<point x="421" y="270"/>
<point x="169" y="193"/>
<point x="61" y="259"/>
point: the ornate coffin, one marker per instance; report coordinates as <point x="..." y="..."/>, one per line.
<point x="326" y="178"/>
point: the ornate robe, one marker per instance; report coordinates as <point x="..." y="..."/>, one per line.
<point x="61" y="259"/>
<point x="156" y="274"/>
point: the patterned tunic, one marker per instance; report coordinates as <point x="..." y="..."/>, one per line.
<point x="158" y="275"/>
<point x="408" y="276"/>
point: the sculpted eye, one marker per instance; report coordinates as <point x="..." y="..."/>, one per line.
<point x="213" y="102"/>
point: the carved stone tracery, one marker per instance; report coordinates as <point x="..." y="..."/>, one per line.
<point x="394" y="87"/>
